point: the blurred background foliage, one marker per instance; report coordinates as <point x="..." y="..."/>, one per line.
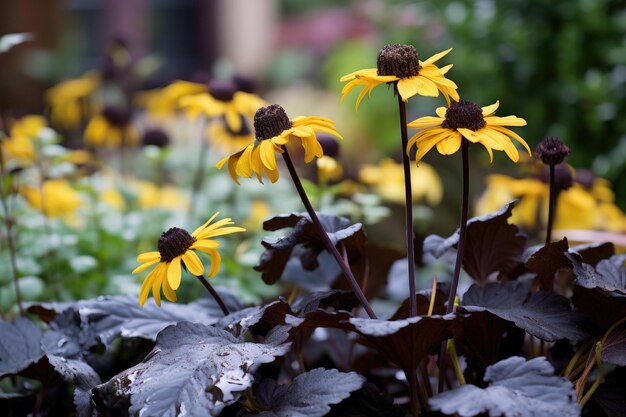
<point x="559" y="65"/>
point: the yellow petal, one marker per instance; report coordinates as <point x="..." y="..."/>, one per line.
<point x="312" y="148"/>
<point x="174" y="273"/>
<point x="436" y="57"/>
<point x="205" y="245"/>
<point x="487" y="110"/>
<point x="199" y="229"/>
<point x="193" y="263"/>
<point x="407" y="88"/>
<point x="505" y="121"/>
<point x="427" y="121"/>
<point x="215" y="263"/>
<point x="267" y="154"/>
<point x="450" y="145"/>
<point x="149" y="256"/>
<point x="441" y="112"/>
<point x="144" y="266"/>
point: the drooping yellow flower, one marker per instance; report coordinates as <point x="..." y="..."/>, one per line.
<point x="72" y="101"/>
<point x="273" y="129"/>
<point x="219" y="134"/>
<point x="465" y="119"/>
<point x="54" y="198"/>
<point x="19" y="145"/>
<point x="111" y="129"/>
<point x="399" y="63"/>
<point x="223" y="99"/>
<point x="175" y="247"/>
<point x="388" y="179"/>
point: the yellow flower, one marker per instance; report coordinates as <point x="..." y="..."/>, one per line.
<point x="220" y="135"/>
<point x="19" y="145"/>
<point x="577" y="207"/>
<point x="388" y="179"/>
<point x="168" y="197"/>
<point x="328" y="169"/>
<point x="110" y="129"/>
<point x="71" y="102"/>
<point x="166" y="101"/>
<point x="177" y="246"/>
<point x="399" y="63"/>
<point x="273" y="129"/>
<point x="55" y="198"/>
<point x="466" y="120"/>
<point x="223" y="99"/>
<point x="501" y="189"/>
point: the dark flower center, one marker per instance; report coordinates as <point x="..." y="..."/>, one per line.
<point x="270" y="121"/>
<point x="551" y="151"/>
<point x="243" y="131"/>
<point x="173" y="243"/>
<point x="155" y="137"/>
<point x="563" y="178"/>
<point x="116" y="116"/>
<point x="464" y="114"/>
<point x="398" y="60"/>
<point x="330" y="145"/>
<point x="245" y="84"/>
<point x="222" y="90"/>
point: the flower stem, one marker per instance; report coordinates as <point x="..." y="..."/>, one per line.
<point x="329" y="245"/>
<point x="214" y="294"/>
<point x="462" y="227"/>
<point x="551" y="205"/>
<point x="408" y="207"/>
<point x="459" y="253"/>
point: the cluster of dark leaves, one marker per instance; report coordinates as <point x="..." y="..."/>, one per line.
<point x="316" y="356"/>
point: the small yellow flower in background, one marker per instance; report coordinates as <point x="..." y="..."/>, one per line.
<point x="226" y="139"/>
<point x="177" y="246"/>
<point x="165" y="101"/>
<point x="55" y="198"/>
<point x="110" y="129"/>
<point x="328" y="169"/>
<point x="399" y="63"/>
<point x="466" y="119"/>
<point x="259" y="212"/>
<point x="578" y="207"/>
<point x="71" y="102"/>
<point x="223" y="99"/>
<point x="19" y="145"/>
<point x="150" y="196"/>
<point x="388" y="179"/>
<point x="113" y="198"/>
<point x="273" y="129"/>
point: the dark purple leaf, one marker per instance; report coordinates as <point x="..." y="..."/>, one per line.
<point x="308" y="395"/>
<point x="20" y="346"/>
<point x="601" y="306"/>
<point x="543" y="314"/>
<point x="196" y="368"/>
<point x="304" y="243"/>
<point x="517" y="388"/>
<point x="614" y="347"/>
<point x="492" y="245"/>
<point x="609" y="274"/>
<point x="112" y="316"/>
<point x="611" y="394"/>
<point x="547" y="261"/>
<point x="367" y="402"/>
<point x="594" y="252"/>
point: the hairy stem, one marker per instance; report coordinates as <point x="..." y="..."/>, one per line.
<point x="329" y="245"/>
<point x="214" y="294"/>
<point x="408" y="207"/>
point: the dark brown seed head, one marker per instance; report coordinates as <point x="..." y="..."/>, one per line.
<point x="222" y="90"/>
<point x="270" y="121"/>
<point x="398" y="60"/>
<point x="117" y="116"/>
<point x="464" y="114"/>
<point x="173" y="243"/>
<point x="551" y="151"/>
<point x="155" y="137"/>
